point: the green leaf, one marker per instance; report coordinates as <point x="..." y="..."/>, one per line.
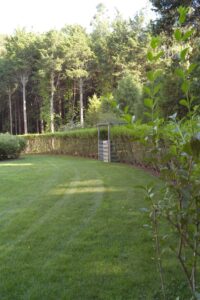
<point x="185" y="87"/>
<point x="182" y="14"/>
<point x="178" y="35"/>
<point x="150" y="56"/>
<point x="126" y="109"/>
<point x="192" y="99"/>
<point x="187" y="148"/>
<point x="153" y="75"/>
<point x="191" y="68"/>
<point x="184" y="53"/>
<point x="155" y="42"/>
<point x="150" y="76"/>
<point x="182" y="19"/>
<point x="186" y="196"/>
<point x="188" y="34"/>
<point x="161" y="53"/>
<point x="157" y="88"/>
<point x="127" y="118"/>
<point x="184" y="102"/>
<point x="195" y="144"/>
<point x="148" y="91"/>
<point x="148" y="102"/>
<point x="173" y="150"/>
<point x="146" y="113"/>
<point x="180" y="73"/>
<point x="157" y="73"/>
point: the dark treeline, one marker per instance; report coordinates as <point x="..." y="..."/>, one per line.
<point x="66" y="78"/>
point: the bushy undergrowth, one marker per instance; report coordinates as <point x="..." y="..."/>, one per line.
<point x="11" y="146"/>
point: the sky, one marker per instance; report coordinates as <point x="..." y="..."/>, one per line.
<point x="43" y="15"/>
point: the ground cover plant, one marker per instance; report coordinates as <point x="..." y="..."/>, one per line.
<point x="75" y="228"/>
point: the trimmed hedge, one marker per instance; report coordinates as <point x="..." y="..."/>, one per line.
<point x="11" y="146"/>
<point x="84" y="142"/>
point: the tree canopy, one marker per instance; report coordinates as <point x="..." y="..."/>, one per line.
<point x="47" y="80"/>
<point x="167" y="14"/>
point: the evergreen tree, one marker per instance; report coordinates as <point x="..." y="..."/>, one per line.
<point x="167" y="11"/>
<point x="78" y="55"/>
<point x="50" y="69"/>
<point x="21" y="50"/>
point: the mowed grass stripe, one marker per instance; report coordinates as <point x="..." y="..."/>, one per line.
<point x="72" y="228"/>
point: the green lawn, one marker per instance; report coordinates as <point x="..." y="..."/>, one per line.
<point x="72" y="228"/>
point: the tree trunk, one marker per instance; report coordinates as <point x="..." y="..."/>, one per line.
<point x="10" y="110"/>
<point x="81" y="102"/>
<point x="37" y="126"/>
<point x="16" y="125"/>
<point x="19" y="119"/>
<point x="51" y="103"/>
<point x="2" y="121"/>
<point x="73" y="101"/>
<point x="42" y="126"/>
<point x="24" y="80"/>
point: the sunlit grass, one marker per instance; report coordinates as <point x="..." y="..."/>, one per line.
<point x="72" y="228"/>
<point x="83" y="189"/>
<point x="3" y="164"/>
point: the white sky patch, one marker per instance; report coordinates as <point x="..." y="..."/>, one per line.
<point x="43" y="15"/>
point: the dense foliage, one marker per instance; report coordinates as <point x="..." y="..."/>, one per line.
<point x="167" y="10"/>
<point x="179" y="201"/>
<point x="49" y="81"/>
<point x="46" y="79"/>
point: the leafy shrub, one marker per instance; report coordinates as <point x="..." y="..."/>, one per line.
<point x="11" y="146"/>
<point x="178" y="202"/>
